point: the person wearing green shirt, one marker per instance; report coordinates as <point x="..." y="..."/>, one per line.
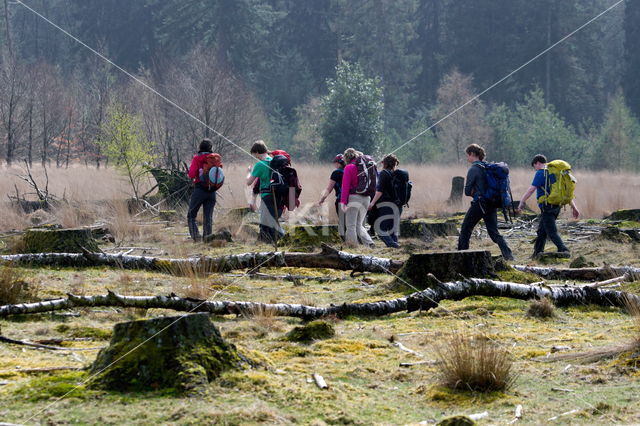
<point x="270" y="230"/>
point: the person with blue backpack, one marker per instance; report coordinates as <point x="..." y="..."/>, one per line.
<point x="488" y="184"/>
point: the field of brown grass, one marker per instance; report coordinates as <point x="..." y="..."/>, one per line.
<point x="597" y="193"/>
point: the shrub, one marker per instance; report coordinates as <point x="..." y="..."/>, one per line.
<point x="542" y="308"/>
<point x="13" y="288"/>
<point x="474" y="363"/>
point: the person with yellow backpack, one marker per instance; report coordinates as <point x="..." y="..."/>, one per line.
<point x="554" y="186"/>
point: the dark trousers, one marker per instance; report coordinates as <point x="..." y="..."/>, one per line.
<point x="547" y="229"/>
<point x="389" y="223"/>
<point x="270" y="230"/>
<point x="476" y="212"/>
<point x="207" y="200"/>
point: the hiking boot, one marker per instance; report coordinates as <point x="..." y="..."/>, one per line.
<point x="564" y="254"/>
<point x="509" y="258"/>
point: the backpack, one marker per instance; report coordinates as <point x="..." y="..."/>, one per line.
<point x="283" y="177"/>
<point x="211" y="176"/>
<point x="497" y="193"/>
<point x="367" y="176"/>
<point x="561" y="191"/>
<point x="401" y="187"/>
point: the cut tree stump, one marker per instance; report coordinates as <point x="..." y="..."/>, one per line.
<point x="615" y="234"/>
<point x="76" y="240"/>
<point x="308" y="237"/>
<point x="446" y="265"/>
<point x="427" y="229"/>
<point x="457" y="190"/>
<point x="632" y="215"/>
<point x="184" y="353"/>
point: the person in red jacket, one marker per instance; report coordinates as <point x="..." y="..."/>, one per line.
<point x="201" y="196"/>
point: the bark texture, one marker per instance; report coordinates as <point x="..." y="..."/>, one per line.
<point x="580" y="274"/>
<point x="447" y="265"/>
<point x="426" y="299"/>
<point x="59" y="240"/>
<point x="327" y="258"/>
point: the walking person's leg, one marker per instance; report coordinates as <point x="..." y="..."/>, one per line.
<point x="541" y="233"/>
<point x="552" y="228"/>
<point x="385" y="224"/>
<point x="471" y="219"/>
<point x="362" y="202"/>
<point x="350" y="218"/>
<point x="491" y="222"/>
<point x="341" y="221"/>
<point x="271" y="219"/>
<point x="207" y="212"/>
<point x="195" y="202"/>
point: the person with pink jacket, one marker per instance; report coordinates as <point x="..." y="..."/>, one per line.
<point x="354" y="205"/>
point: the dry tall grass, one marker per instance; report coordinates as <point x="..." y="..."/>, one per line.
<point x="13" y="287"/>
<point x="597" y="193"/>
<point x="474" y="363"/>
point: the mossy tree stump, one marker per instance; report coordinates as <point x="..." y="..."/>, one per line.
<point x="308" y="237"/>
<point x="184" y="353"/>
<point x="426" y="229"/>
<point x="75" y="240"/>
<point x="445" y="266"/>
<point x="632" y="215"/>
<point x="457" y="190"/>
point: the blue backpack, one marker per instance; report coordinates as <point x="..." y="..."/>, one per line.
<point x="498" y="190"/>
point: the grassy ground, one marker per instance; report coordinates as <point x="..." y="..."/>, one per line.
<point x="361" y="364"/>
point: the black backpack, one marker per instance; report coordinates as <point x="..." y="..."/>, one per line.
<point x="401" y="187"/>
<point x="283" y="177"/>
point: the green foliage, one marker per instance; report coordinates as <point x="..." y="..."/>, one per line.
<point x="124" y="143"/>
<point x="351" y="112"/>
<point x="533" y="127"/>
<point x="315" y="330"/>
<point x="619" y="148"/>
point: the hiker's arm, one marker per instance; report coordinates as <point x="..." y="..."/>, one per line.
<point x="576" y="212"/>
<point x="375" y="200"/>
<point x="193" y="169"/>
<point x="472" y="175"/>
<point x="253" y="201"/>
<point x="327" y="191"/>
<point x="250" y="177"/>
<point x="526" y="196"/>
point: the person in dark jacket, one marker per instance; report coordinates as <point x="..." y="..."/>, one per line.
<point x="200" y="196"/>
<point x="387" y="222"/>
<point x="475" y="186"/>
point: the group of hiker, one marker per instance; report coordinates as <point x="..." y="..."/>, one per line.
<point x="362" y="194"/>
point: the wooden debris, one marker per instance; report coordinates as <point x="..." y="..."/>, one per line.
<point x="421" y="300"/>
<point x="567" y="413"/>
<point x="319" y="380"/>
<point x="39" y="346"/>
<point x="406" y="349"/>
<point x="562" y="390"/>
<point x="411" y="364"/>
<point x="579" y="274"/>
<point x="40" y="370"/>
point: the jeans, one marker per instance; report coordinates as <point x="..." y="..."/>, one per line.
<point x="354" y="218"/>
<point x="270" y="230"/>
<point x="207" y="200"/>
<point x="547" y="229"/>
<point x="476" y="212"/>
<point x="388" y="223"/>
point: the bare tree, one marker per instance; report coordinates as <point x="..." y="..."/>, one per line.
<point x="13" y="96"/>
<point x="205" y="86"/>
<point x="466" y="125"/>
<point x="49" y="106"/>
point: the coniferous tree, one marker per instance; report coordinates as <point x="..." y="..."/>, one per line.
<point x="631" y="77"/>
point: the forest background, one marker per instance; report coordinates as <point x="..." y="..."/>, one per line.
<point x="271" y="69"/>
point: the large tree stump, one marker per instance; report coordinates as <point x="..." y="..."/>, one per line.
<point x="632" y="215"/>
<point x="427" y="229"/>
<point x="75" y="240"/>
<point x="457" y="190"/>
<point x="308" y="237"/>
<point x="184" y="353"/>
<point x="445" y="266"/>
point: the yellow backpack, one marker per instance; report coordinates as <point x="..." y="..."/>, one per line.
<point x="561" y="191"/>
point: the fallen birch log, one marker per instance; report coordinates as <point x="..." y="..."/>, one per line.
<point x="40" y="346"/>
<point x="422" y="300"/>
<point x="327" y="258"/>
<point x="580" y="274"/>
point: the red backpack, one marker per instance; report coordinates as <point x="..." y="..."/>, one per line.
<point x="211" y="161"/>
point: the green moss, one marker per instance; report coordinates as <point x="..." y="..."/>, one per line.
<point x="84" y="332"/>
<point x="514" y="276"/>
<point x="581" y="262"/>
<point x="456" y="421"/>
<point x="59" y="240"/>
<point x="315" y="330"/>
<point x="68" y="385"/>
<point x="308" y="237"/>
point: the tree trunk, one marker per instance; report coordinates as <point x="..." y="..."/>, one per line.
<point x="580" y="274"/>
<point x="426" y="299"/>
<point x="457" y="190"/>
<point x="449" y="265"/>
<point x="327" y="258"/>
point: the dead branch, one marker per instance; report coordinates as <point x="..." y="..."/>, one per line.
<point x="40" y="370"/>
<point x="327" y="258"/>
<point x="579" y="274"/>
<point x="422" y="300"/>
<point x="39" y="346"/>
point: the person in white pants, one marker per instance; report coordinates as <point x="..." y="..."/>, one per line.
<point x="354" y="205"/>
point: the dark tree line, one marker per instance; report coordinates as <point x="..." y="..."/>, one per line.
<point x="259" y="68"/>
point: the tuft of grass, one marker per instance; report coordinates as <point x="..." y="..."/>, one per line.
<point x="265" y="319"/>
<point x="474" y="363"/>
<point x="543" y="308"/>
<point x="13" y="287"/>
